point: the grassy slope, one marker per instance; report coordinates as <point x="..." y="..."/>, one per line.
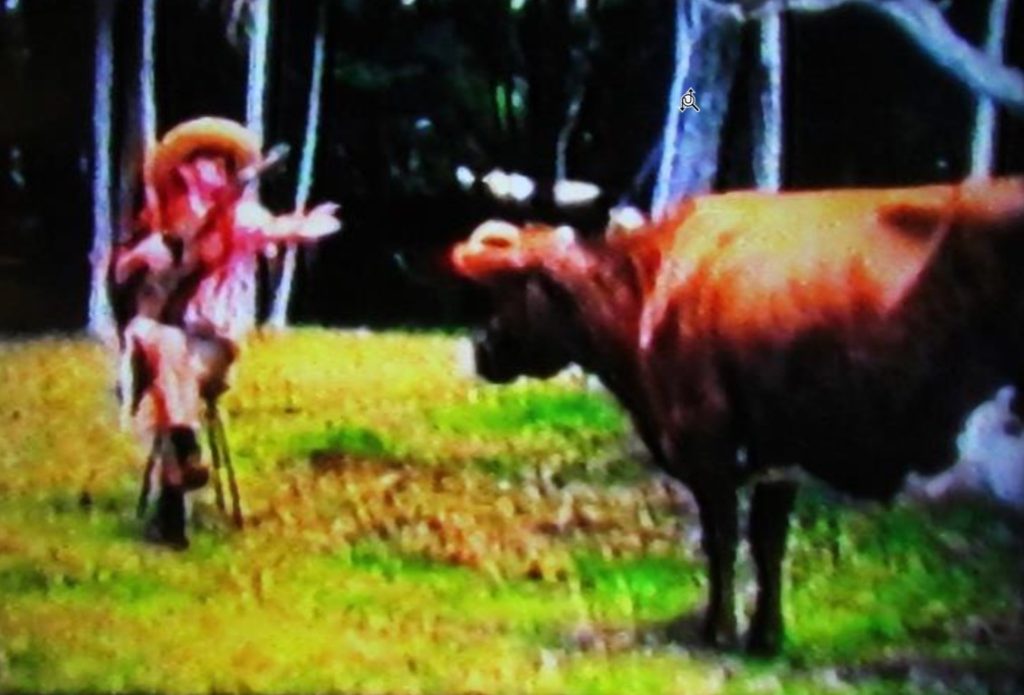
<point x="413" y="531"/>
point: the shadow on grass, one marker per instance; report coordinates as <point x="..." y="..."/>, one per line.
<point x="354" y="440"/>
<point x="905" y="672"/>
<point x="950" y="674"/>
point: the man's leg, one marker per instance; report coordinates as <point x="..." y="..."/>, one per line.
<point x="167" y="526"/>
<point x="174" y="391"/>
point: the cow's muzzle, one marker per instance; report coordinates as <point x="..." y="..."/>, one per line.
<point x="487" y="361"/>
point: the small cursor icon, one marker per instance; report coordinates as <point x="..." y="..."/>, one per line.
<point x="689" y="101"/>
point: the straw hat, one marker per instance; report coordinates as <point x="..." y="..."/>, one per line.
<point x="216" y="135"/>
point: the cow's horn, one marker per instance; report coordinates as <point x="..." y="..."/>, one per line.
<point x="623" y="220"/>
<point x="495" y="233"/>
<point x="565" y="235"/>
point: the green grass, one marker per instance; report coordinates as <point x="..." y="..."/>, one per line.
<point x="512" y="412"/>
<point x="410" y="530"/>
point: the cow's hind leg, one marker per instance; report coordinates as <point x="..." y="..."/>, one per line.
<point x="719" y="534"/>
<point x="767" y="529"/>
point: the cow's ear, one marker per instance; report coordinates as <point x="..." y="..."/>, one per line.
<point x="493" y="246"/>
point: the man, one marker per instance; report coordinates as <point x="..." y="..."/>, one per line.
<point x="184" y="293"/>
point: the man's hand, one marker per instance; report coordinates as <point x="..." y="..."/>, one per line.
<point x="319" y="222"/>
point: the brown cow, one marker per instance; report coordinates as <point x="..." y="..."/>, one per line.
<point x="848" y="332"/>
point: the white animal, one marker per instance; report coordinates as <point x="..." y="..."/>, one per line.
<point x="991" y="456"/>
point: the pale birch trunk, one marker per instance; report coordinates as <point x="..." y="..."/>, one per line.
<point x="100" y="319"/>
<point x="147" y="66"/>
<point x="142" y="126"/>
<point x="768" y="147"/>
<point x="706" y="55"/>
<point x="256" y="86"/>
<point x="255" y="97"/>
<point x="279" y="311"/>
<point x="685" y="37"/>
<point x="983" y="143"/>
<point x="923" y="22"/>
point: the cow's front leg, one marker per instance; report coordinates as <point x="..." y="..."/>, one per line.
<point x="716" y="501"/>
<point x="767" y="530"/>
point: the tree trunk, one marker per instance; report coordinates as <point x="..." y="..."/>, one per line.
<point x="768" y="145"/>
<point x="279" y="312"/>
<point x="685" y="36"/>
<point x="707" y="47"/>
<point x="147" y="96"/>
<point x="141" y="135"/>
<point x="923" y="22"/>
<point x="983" y="143"/>
<point x="101" y="322"/>
<point x="584" y="22"/>
<point x="255" y="97"/>
<point x="259" y="43"/>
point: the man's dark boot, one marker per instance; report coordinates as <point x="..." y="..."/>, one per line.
<point x="194" y="474"/>
<point x="167" y="527"/>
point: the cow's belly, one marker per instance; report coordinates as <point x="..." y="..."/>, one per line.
<point x="862" y="424"/>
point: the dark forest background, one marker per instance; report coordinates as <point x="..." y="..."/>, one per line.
<point x="412" y="92"/>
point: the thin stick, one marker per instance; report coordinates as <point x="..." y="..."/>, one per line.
<point x="236" y="505"/>
<point x="215" y="457"/>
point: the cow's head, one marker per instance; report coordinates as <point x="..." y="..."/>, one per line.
<point x="527" y="333"/>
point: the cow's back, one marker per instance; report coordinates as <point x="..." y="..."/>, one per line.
<point x="849" y="331"/>
<point x="756" y="266"/>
